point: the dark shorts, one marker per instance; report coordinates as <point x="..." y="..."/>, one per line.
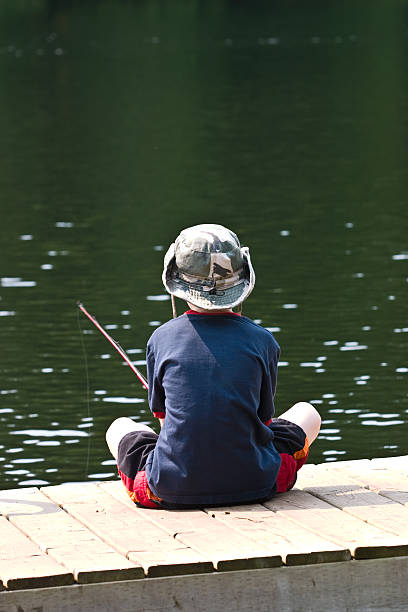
<point x="134" y="448"/>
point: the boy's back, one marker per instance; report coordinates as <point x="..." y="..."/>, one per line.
<point x="212" y="378"/>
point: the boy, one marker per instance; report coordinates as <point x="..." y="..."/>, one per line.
<point x="212" y="380"/>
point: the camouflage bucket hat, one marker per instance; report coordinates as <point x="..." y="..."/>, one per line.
<point x="207" y="267"/>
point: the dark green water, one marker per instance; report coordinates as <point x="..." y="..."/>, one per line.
<point x="123" y="122"/>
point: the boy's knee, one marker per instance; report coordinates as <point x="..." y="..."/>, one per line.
<point x="117" y="423"/>
<point x="115" y="432"/>
<point x="114" y="427"/>
<point x="306" y="416"/>
<point x="123" y="425"/>
<point x="119" y="428"/>
<point x="308" y="409"/>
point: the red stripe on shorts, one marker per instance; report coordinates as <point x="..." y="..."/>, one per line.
<point x="289" y="468"/>
<point x="139" y="491"/>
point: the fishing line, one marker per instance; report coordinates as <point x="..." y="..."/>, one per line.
<point x="88" y="401"/>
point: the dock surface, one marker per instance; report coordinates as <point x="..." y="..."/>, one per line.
<point x="339" y="537"/>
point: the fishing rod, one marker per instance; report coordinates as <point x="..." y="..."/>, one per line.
<point x="115" y="345"/>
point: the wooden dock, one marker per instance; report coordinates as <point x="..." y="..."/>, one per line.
<point x="338" y="541"/>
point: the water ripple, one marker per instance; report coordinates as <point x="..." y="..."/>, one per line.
<point x="353" y="346"/>
<point x="382" y="423"/>
<point x="158" y="298"/>
<point x="123" y="400"/>
<point x="16" y="282"/>
<point x="48" y="433"/>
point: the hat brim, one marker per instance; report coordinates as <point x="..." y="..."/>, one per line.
<point x="210" y="300"/>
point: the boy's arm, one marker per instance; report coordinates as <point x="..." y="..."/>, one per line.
<point x="267" y="407"/>
<point x="156" y="392"/>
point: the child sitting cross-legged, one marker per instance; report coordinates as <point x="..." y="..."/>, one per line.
<point x="212" y="379"/>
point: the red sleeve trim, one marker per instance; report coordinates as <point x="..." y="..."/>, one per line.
<point x="209" y="312"/>
<point x="268" y="422"/>
<point x="159" y="415"/>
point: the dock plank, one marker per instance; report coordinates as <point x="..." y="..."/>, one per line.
<point x="396" y="463"/>
<point x="227" y="549"/>
<point x="64" y="539"/>
<point x="23" y="565"/>
<point x="340" y="490"/>
<point x="127" y="531"/>
<point x="296" y="545"/>
<point x="383" y="479"/>
<point x="364" y="541"/>
<point x="92" y="532"/>
<point x="377" y="585"/>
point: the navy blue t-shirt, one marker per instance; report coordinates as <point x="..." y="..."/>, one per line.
<point x="213" y="379"/>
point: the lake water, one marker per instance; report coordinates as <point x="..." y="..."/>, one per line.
<point x="122" y="123"/>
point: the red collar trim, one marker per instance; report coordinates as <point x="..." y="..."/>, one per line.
<point x="194" y="312"/>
